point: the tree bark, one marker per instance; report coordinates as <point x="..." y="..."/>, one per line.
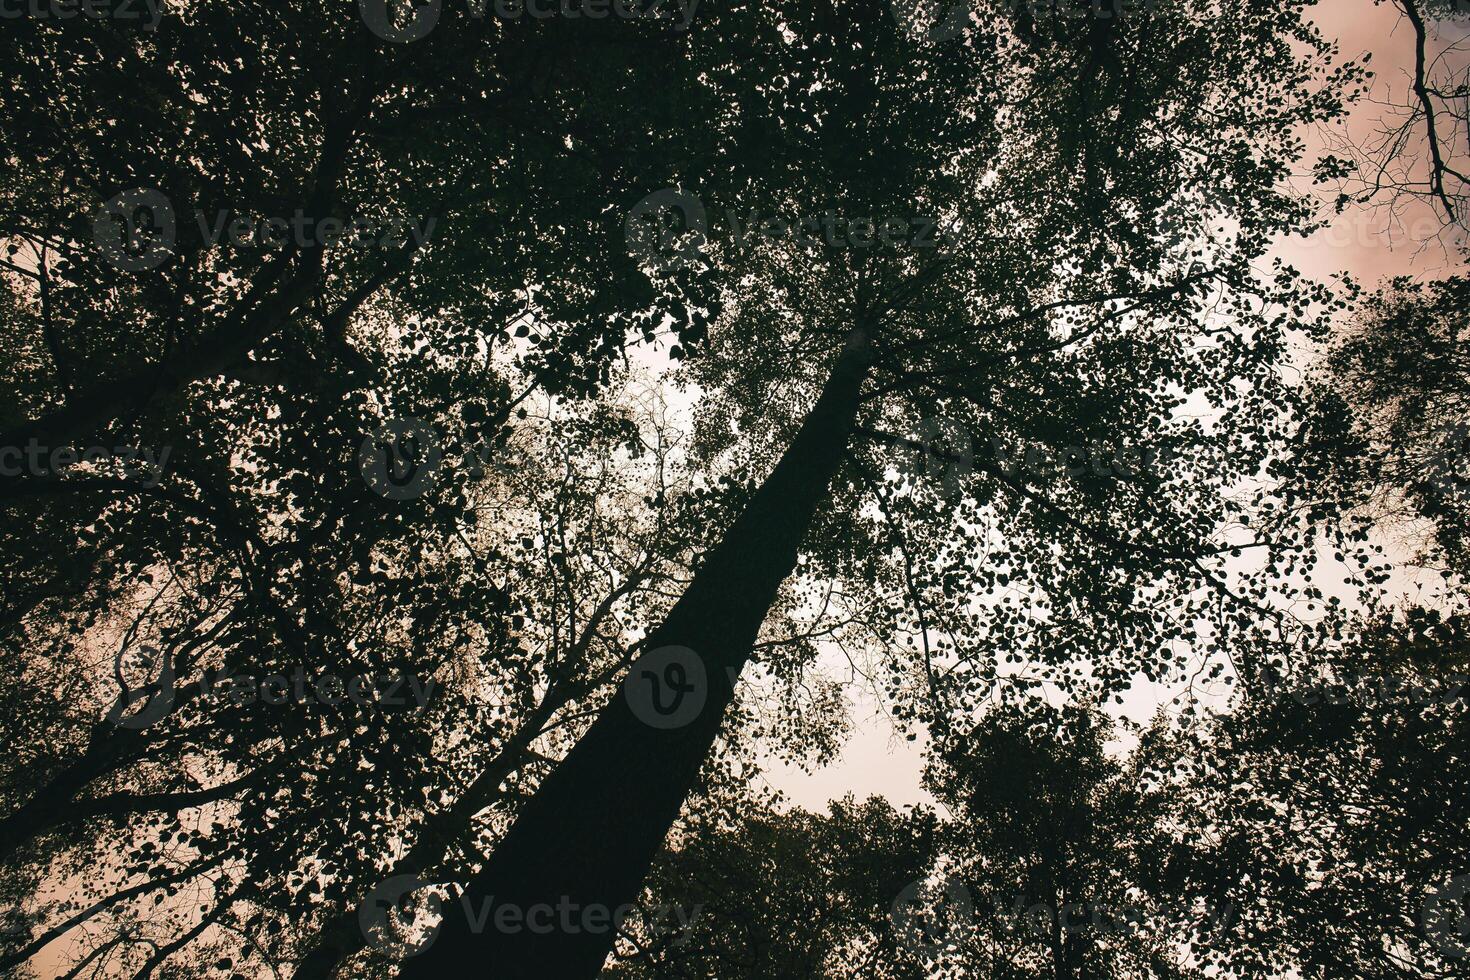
<point x="586" y="839"/>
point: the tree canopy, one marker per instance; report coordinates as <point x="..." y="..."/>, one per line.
<point x="403" y="413"/>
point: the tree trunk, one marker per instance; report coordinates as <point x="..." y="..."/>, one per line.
<point x="584" y="842"/>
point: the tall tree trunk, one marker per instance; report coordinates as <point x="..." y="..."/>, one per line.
<point x="586" y="839"/>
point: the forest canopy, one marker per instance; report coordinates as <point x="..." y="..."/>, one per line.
<point x="467" y="470"/>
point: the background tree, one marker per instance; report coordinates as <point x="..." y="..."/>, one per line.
<point x="1061" y="156"/>
<point x="1389" y="436"/>
<point x="1331" y="799"/>
<point x="779" y="894"/>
